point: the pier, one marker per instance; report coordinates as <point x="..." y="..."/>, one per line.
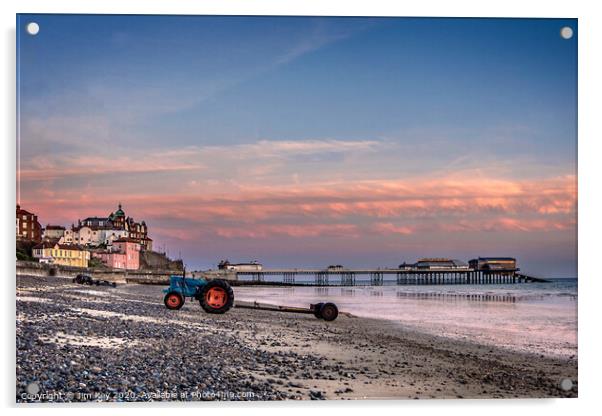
<point x="377" y="277"/>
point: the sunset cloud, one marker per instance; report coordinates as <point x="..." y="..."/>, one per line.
<point x="402" y="208"/>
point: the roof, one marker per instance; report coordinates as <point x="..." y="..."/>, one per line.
<point x="438" y="263"/>
<point x="54" y="244"/>
<point x="119" y="212"/>
<point x="54" y="227"/>
<point x="434" y="263"/>
<point x="126" y="240"/>
<point x="498" y="258"/>
<point x="70" y="247"/>
<point x="96" y="219"/>
<point x="21" y="211"/>
<point x="45" y="244"/>
<point x="435" y="260"/>
<point x="96" y="227"/>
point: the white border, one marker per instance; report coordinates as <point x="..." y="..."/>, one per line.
<point x="590" y="207"/>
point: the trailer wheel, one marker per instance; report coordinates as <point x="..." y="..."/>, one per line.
<point x="329" y="311"/>
<point x="173" y="301"/>
<point x="317" y="308"/>
<point x="216" y="296"/>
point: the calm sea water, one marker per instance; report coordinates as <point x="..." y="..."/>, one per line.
<point x="533" y="317"/>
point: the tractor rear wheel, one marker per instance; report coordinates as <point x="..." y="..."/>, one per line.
<point x="216" y="297"/>
<point x="173" y="300"/>
<point x="329" y="311"/>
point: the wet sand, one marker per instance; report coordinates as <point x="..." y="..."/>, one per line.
<point x="95" y="343"/>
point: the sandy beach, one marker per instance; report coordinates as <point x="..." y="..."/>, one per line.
<point x="96" y="343"/>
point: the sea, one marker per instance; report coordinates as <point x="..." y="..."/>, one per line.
<point x="538" y="318"/>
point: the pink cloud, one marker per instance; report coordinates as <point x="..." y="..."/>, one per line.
<point x="290" y="230"/>
<point x="509" y="224"/>
<point x="340" y="209"/>
<point x="389" y="228"/>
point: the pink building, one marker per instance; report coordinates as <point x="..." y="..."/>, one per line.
<point x="125" y="254"/>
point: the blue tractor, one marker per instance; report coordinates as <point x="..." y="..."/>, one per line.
<point x="215" y="296"/>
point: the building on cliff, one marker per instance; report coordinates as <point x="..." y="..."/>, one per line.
<point x="64" y="254"/>
<point x="124" y="253"/>
<point x="28" y="227"/>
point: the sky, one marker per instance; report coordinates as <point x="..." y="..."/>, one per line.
<point x="307" y="141"/>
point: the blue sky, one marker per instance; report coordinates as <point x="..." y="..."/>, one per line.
<point x="223" y="112"/>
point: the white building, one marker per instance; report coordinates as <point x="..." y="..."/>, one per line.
<point x="252" y="266"/>
<point x="92" y="236"/>
<point x="53" y="232"/>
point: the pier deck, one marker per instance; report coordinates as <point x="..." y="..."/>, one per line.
<point x="376" y="277"/>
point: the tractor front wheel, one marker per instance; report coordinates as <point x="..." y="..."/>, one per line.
<point x="173" y="300"/>
<point x="216" y="297"/>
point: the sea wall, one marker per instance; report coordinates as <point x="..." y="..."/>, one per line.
<point x="28" y="268"/>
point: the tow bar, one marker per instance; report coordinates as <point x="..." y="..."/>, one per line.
<point x="324" y="310"/>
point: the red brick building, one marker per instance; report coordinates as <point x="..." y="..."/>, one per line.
<point x="28" y="227"/>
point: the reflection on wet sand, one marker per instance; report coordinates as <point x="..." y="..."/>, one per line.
<point x="455" y="297"/>
<point x="435" y="296"/>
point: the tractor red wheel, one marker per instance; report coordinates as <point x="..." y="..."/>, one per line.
<point x="216" y="297"/>
<point x="173" y="301"/>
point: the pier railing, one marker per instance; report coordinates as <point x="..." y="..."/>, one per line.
<point x="377" y="277"/>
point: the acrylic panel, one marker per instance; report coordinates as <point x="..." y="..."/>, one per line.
<point x="295" y="208"/>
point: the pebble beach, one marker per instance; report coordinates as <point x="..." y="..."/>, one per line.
<point x="79" y="343"/>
